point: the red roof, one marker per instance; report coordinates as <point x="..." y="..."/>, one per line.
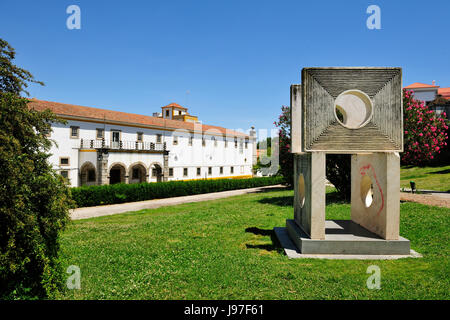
<point x="100" y="115"/>
<point x="174" y="105"/>
<point x="444" y="92"/>
<point x="418" y="85"/>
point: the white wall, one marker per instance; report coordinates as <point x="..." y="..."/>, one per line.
<point x="181" y="155"/>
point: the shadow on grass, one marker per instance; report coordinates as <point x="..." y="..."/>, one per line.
<point x="331" y="198"/>
<point x="275" y="246"/>
<point x="440" y="172"/>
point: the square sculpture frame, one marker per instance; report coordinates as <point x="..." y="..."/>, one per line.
<point x="348" y="110"/>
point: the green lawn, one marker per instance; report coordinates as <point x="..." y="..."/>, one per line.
<point x="226" y="249"/>
<point x="427" y="178"/>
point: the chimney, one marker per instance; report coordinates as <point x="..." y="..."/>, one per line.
<point x="434" y="82"/>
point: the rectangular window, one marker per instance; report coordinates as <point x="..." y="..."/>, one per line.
<point x="210" y="170"/>
<point x="100" y="133"/>
<point x="246" y="143"/>
<point x="179" y="113"/>
<point x="215" y="141"/>
<point x="191" y="138"/>
<point x="232" y="170"/>
<point x="91" y="175"/>
<point x="64" y="174"/>
<point x="199" y="171"/>
<point x="203" y="141"/>
<point x="167" y="113"/>
<point x="170" y="172"/>
<point x="74" y="132"/>
<point x="226" y="141"/>
<point x="221" y="170"/>
<point x="64" y="161"/>
<point x="185" y="172"/>
<point x="140" y="137"/>
<point x="235" y="142"/>
<point x="158" y="138"/>
<point x="175" y="140"/>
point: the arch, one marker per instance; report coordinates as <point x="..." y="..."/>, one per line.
<point x="137" y="172"/>
<point x="117" y="173"/>
<point x="88" y="174"/>
<point x="155" y="172"/>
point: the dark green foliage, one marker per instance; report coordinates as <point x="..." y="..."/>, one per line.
<point x="338" y="169"/>
<point x="89" y="196"/>
<point x="34" y="200"/>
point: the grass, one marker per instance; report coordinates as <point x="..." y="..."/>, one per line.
<point x="226" y="249"/>
<point x="426" y="178"/>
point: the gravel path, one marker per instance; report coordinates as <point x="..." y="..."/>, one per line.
<point x="431" y="199"/>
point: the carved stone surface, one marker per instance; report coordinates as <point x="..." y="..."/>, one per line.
<point x="380" y="118"/>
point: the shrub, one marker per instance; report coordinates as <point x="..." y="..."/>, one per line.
<point x="425" y="133"/>
<point x="88" y="196"/>
<point x="33" y="206"/>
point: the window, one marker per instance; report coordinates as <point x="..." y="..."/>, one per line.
<point x="179" y="113"/>
<point x="191" y="138"/>
<point x="91" y="175"/>
<point x="215" y="141"/>
<point x="175" y="140"/>
<point x="167" y="113"/>
<point x="100" y="133"/>
<point x="158" y="138"/>
<point x="246" y="143"/>
<point x="135" y="174"/>
<point x="185" y="172"/>
<point x="64" y="174"/>
<point x="64" y="161"/>
<point x="140" y="137"/>
<point x="203" y="141"/>
<point x="74" y="131"/>
<point x="210" y="170"/>
<point x="232" y="170"/>
<point x="199" y="171"/>
<point x="221" y="170"/>
<point x="226" y="141"/>
<point x="170" y="172"/>
<point x="235" y="142"/>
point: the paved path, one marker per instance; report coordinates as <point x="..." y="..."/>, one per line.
<point x="99" y="211"/>
<point x="432" y="199"/>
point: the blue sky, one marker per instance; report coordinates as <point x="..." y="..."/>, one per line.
<point x="236" y="59"/>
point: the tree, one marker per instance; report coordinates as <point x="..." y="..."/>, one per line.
<point x="338" y="168"/>
<point x="35" y="200"/>
<point x="425" y="132"/>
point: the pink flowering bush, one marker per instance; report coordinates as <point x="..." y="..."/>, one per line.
<point x="425" y="132"/>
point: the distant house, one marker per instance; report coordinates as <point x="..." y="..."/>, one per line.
<point x="437" y="98"/>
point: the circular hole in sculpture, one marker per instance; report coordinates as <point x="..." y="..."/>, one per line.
<point x="366" y="191"/>
<point x="353" y="109"/>
<point x="301" y="190"/>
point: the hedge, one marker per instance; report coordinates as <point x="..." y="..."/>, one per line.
<point x="88" y="196"/>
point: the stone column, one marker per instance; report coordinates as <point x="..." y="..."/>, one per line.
<point x="166" y="166"/>
<point x="376" y="192"/>
<point x="309" y="193"/>
<point x="102" y="167"/>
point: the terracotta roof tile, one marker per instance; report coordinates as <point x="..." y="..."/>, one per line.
<point x="418" y="85"/>
<point x="89" y="113"/>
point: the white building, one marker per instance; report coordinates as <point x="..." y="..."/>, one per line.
<point x="429" y="93"/>
<point x="98" y="146"/>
